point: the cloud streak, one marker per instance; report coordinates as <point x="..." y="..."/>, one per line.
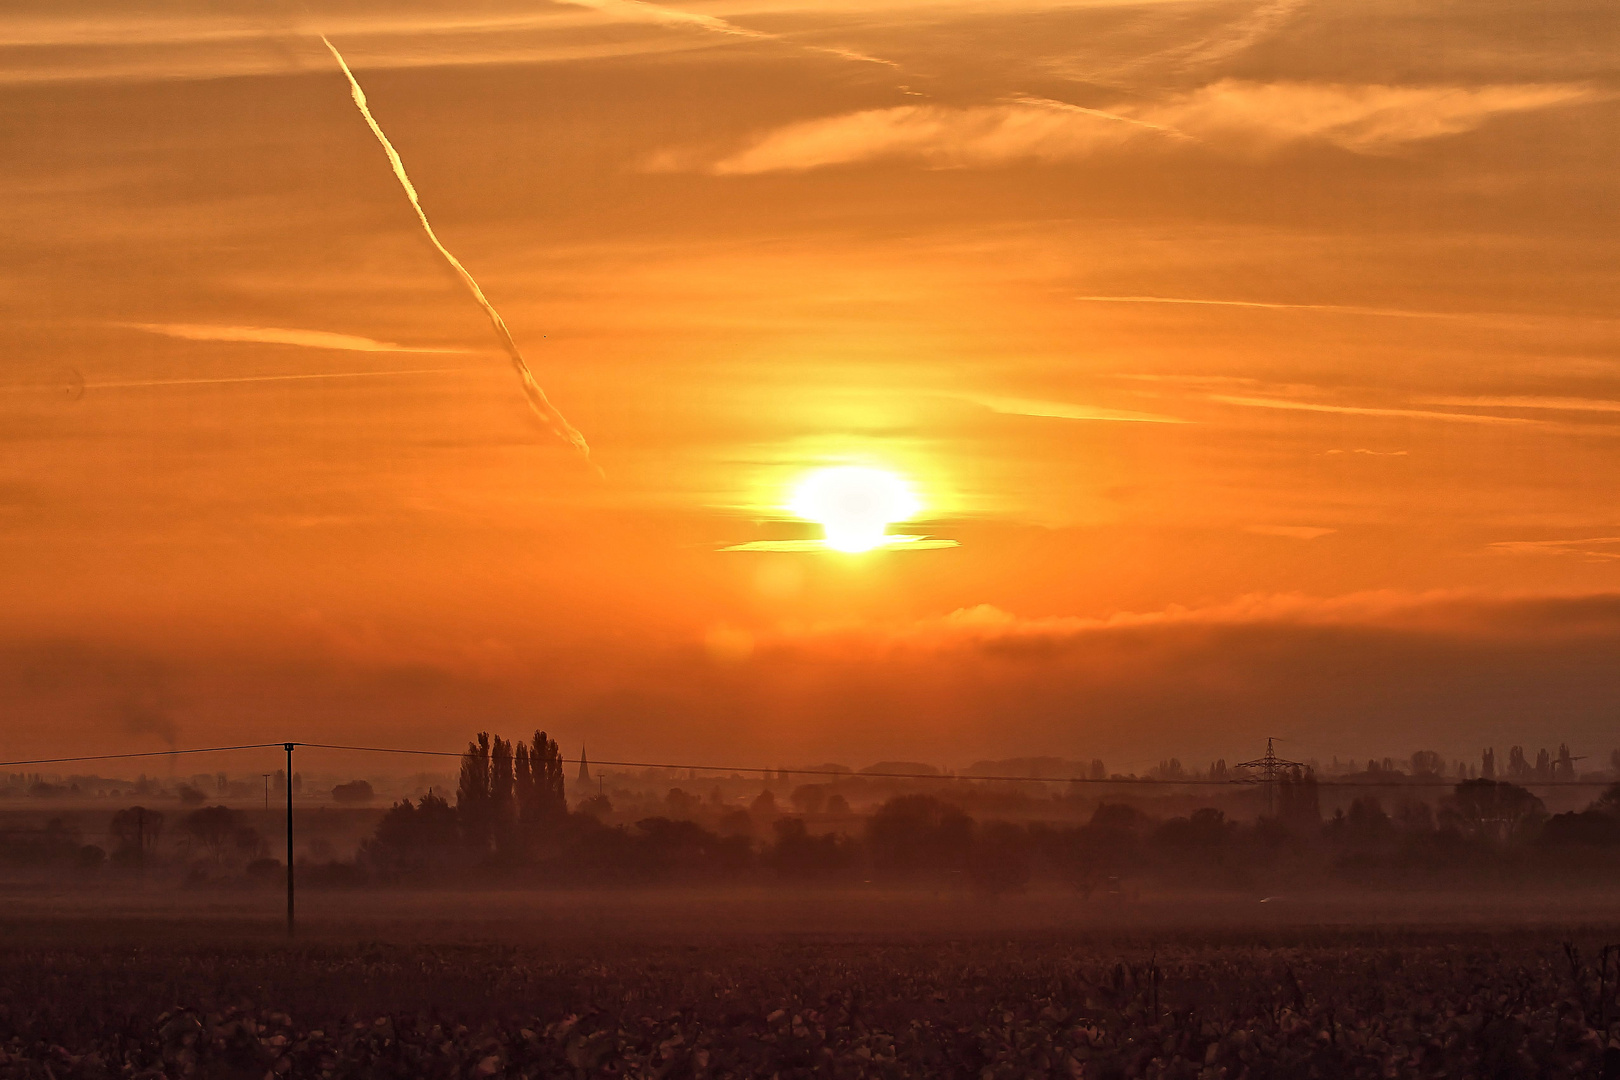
<point x="228" y="379"/>
<point x="1595" y="548"/>
<point x="1237" y="115"/>
<point x="538" y="401"/>
<point x="1063" y="410"/>
<point x="1364" y="410"/>
<point x="273" y="335"/>
<point x="1290" y="532"/>
<point x="1559" y="404"/>
<point x="1234" y="38"/>
<point x="76" y="388"/>
<point x="1272" y="305"/>
<point x="890" y="543"/>
<point x="1446" y="612"/>
<point x="937" y="135"/>
<point x="71" y="47"/>
<point x="1362" y="118"/>
<point x="642" y="11"/>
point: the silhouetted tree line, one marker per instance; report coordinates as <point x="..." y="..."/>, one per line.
<point x="510" y="821"/>
<point x="215" y="838"/>
<point x="56" y="845"/>
<point x="1545" y="768"/>
<point x="1481" y="827"/>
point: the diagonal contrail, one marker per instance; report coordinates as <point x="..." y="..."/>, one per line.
<point x="537" y="397"/>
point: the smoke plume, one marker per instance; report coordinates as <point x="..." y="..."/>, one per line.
<point x="538" y="401"/>
<point x="144" y="713"/>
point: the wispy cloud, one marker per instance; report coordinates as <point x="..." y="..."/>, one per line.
<point x="1063" y="410"/>
<point x="1290" y="532"/>
<point x="71" y="47"/>
<point x="1371" y="453"/>
<point x="1563" y="404"/>
<point x="1449" y="612"/>
<point x="1364" y="410"/>
<point x="272" y="335"/>
<point x="642" y="11"/>
<point x="1273" y="305"/>
<point x="1233" y="38"/>
<point x="1364" y="118"/>
<point x="1592" y="548"/>
<point x="1101" y="114"/>
<point x="940" y="136"/>
<point x="890" y="543"/>
<point x="75" y="388"/>
<point x="1235" y="114"/>
<point x="228" y="379"/>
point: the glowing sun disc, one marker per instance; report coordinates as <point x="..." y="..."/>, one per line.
<point x="855" y="505"/>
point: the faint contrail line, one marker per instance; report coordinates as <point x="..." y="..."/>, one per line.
<point x="269" y="378"/>
<point x="1349" y="309"/>
<point x="1366" y="410"/>
<point x="538" y="401"/>
<point x="1341" y="309"/>
<point x="675" y="16"/>
<point x="132" y="384"/>
<point x="1101" y="114"/>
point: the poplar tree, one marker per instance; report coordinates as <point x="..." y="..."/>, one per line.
<point x="503" y="809"/>
<point x="547" y="797"/>
<point x="473" y="795"/>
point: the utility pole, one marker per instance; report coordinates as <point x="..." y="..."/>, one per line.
<point x="290" y="924"/>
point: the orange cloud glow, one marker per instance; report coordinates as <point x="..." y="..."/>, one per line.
<point x="1253" y="365"/>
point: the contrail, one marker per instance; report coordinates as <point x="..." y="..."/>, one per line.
<point x="77" y="387"/>
<point x="674" y="17"/>
<point x="270" y="378"/>
<point x="538" y="401"/>
<point x="1337" y="309"/>
<point x="1050" y="103"/>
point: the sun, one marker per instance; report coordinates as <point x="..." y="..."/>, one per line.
<point x="855" y="505"/>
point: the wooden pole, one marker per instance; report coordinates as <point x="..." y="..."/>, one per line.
<point x="290" y="924"/>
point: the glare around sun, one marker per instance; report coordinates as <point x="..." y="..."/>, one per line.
<point x="855" y="505"/>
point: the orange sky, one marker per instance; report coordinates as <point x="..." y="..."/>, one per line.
<point x="1261" y="357"/>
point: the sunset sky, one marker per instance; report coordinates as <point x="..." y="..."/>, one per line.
<point x="1261" y="359"/>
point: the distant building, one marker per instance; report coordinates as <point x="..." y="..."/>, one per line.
<point x="584" y="767"/>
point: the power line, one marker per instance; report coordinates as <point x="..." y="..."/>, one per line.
<point x="1403" y="782"/>
<point x="144" y="753"/>
<point x="792" y="772"/>
<point x="382" y="749"/>
<point x="1186" y="782"/>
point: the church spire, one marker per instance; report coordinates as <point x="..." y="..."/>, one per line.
<point x="584" y="766"/>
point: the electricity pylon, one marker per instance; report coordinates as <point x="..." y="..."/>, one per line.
<point x="1267" y="770"/>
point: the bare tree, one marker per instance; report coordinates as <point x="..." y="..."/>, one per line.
<point x="1492" y="810"/>
<point x="220" y="829"/>
<point x="136" y="832"/>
